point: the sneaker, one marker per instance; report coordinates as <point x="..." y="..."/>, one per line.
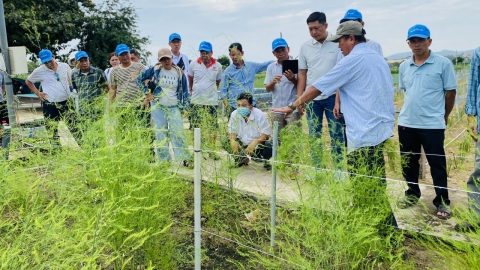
<point x="267" y="166"/>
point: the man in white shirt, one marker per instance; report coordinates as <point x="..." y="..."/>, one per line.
<point x="204" y="76"/>
<point x="283" y="85"/>
<point x="317" y="57"/>
<point x="55" y="79"/>
<point x="248" y="132"/>
<point x="179" y="59"/>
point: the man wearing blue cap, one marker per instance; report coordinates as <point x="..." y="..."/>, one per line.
<point x="179" y="59"/>
<point x="355" y="15"/>
<point x="282" y="85"/>
<point x="430" y="87"/>
<point x="123" y="86"/>
<point x="55" y="79"/>
<point x="204" y="76"/>
<point x="90" y="83"/>
<point x="472" y="109"/>
<point x="366" y="87"/>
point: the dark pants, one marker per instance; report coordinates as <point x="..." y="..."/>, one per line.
<point x="411" y="140"/>
<point x="53" y="112"/>
<point x="263" y="151"/>
<point x="370" y="192"/>
<point x="4" y="112"/>
<point x="315" y="110"/>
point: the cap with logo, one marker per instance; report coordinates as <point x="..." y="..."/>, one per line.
<point x="347" y="28"/>
<point x="174" y="36"/>
<point x="122" y="48"/>
<point x="418" y="30"/>
<point x="81" y="54"/>
<point x="45" y="56"/>
<point x="351" y="14"/>
<point x="205" y="46"/>
<point x="278" y="43"/>
<point x="164" y="52"/>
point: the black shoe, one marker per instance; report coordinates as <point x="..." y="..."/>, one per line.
<point x="267" y="166"/>
<point x="466" y="227"/>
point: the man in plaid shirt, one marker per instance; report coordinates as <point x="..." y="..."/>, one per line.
<point x="90" y="83"/>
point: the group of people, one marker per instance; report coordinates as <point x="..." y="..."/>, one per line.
<point x="342" y="76"/>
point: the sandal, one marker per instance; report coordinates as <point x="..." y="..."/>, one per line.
<point x="187" y="163"/>
<point x="407" y="201"/>
<point x="444" y="209"/>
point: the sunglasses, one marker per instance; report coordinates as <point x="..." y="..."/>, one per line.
<point x="204" y="53"/>
<point x="57" y="76"/>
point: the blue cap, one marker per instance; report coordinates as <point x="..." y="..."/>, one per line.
<point x="45" y="56"/>
<point x="205" y="46"/>
<point x="352" y="14"/>
<point x="418" y="30"/>
<point x="174" y="36"/>
<point x="81" y="54"/>
<point x="121" y="48"/>
<point x="278" y="42"/>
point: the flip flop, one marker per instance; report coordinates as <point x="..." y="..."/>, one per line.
<point x="407" y="201"/>
<point x="444" y="209"/>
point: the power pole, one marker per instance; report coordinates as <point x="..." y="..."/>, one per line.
<point x="8" y="80"/>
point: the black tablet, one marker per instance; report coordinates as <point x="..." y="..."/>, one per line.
<point x="291" y="64"/>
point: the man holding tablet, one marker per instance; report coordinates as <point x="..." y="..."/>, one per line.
<point x="282" y="84"/>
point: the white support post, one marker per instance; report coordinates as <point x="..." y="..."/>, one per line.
<point x="197" y="198"/>
<point x="273" y="203"/>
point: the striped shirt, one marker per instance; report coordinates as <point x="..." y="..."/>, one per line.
<point x="472" y="107"/>
<point x="125" y="79"/>
<point x="366" y="91"/>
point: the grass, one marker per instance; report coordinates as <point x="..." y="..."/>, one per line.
<point x="105" y="205"/>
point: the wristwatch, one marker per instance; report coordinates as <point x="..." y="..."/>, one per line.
<point x="290" y="105"/>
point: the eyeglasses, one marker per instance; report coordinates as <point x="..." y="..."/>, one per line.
<point x="57" y="76"/>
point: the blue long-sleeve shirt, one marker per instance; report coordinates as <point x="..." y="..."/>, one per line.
<point x="472" y="107"/>
<point x="183" y="97"/>
<point x="240" y="80"/>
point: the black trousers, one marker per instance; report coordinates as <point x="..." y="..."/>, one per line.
<point x="263" y="151"/>
<point x="411" y="140"/>
<point x="53" y="112"/>
<point x="370" y="192"/>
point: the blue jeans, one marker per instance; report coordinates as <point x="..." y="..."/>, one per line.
<point x="168" y="120"/>
<point x="315" y="111"/>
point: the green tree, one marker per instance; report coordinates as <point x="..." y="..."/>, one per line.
<point x="224" y="61"/>
<point x="106" y="26"/>
<point x="458" y="60"/>
<point x="44" y="24"/>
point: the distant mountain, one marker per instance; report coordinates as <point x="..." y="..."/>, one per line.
<point x="443" y="53"/>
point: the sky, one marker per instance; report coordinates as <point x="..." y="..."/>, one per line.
<point x="454" y="24"/>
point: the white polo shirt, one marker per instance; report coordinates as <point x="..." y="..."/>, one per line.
<point x="247" y="131"/>
<point x="204" y="89"/>
<point x="318" y="59"/>
<point x="284" y="91"/>
<point x="55" y="84"/>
